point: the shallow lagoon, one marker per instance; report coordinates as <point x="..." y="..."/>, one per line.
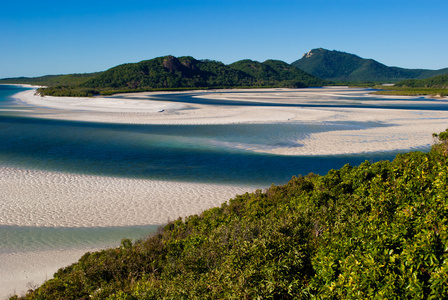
<point x="188" y="153"/>
<point x="192" y="153"/>
<point x="346" y="101"/>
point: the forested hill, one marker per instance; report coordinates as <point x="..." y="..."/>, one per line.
<point x="438" y="82"/>
<point x="276" y="72"/>
<point x="374" y="231"/>
<point x="341" y="66"/>
<point x="434" y="87"/>
<point x="52" y="80"/>
<point x="169" y="72"/>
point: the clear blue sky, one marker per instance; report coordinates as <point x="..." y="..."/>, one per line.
<point x="60" y="37"/>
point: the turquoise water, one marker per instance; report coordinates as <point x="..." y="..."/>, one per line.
<point x="199" y="153"/>
<point x="420" y="103"/>
<point x="25" y="239"/>
<point x="189" y="153"/>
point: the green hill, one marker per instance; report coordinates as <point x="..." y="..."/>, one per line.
<point x="434" y="87"/>
<point x="375" y="231"/>
<point x="341" y="66"/>
<point x="438" y="82"/>
<point x="273" y="72"/>
<point x="169" y="72"/>
<point x="52" y="80"/>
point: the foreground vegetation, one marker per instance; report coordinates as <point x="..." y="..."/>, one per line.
<point x="172" y="73"/>
<point x="378" y="230"/>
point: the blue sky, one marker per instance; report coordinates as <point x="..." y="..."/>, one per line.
<point x="59" y="37"/>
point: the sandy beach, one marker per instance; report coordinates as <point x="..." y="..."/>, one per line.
<point x="52" y="199"/>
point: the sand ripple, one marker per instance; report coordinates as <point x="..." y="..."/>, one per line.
<point x="40" y="198"/>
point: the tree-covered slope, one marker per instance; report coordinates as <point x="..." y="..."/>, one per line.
<point x="186" y="72"/>
<point x="432" y="73"/>
<point x="435" y="87"/>
<point x="52" y="80"/>
<point x="273" y="72"/>
<point x="374" y="231"/>
<point x="342" y="66"/>
<point x="169" y="73"/>
<point x="438" y="82"/>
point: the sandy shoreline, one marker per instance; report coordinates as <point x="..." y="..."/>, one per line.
<point x="51" y="199"/>
<point x="400" y="129"/>
<point x="23" y="271"/>
<point x="105" y="105"/>
<point x="43" y="198"/>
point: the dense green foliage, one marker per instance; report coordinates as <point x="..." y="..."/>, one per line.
<point x="276" y="72"/>
<point x="168" y="72"/>
<point x="52" y="80"/>
<point x="373" y="231"/>
<point x="439" y="82"/>
<point x="341" y="66"/>
<point x="435" y="87"/>
<point x="59" y="85"/>
<point x="171" y="73"/>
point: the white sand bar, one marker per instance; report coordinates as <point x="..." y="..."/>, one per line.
<point x="51" y="199"/>
<point x="105" y="105"/>
<point x="401" y="129"/>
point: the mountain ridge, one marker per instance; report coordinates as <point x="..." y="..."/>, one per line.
<point x="317" y="67"/>
<point x="170" y="72"/>
<point x="342" y="66"/>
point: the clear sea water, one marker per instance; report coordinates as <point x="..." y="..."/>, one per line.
<point x="189" y="153"/>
